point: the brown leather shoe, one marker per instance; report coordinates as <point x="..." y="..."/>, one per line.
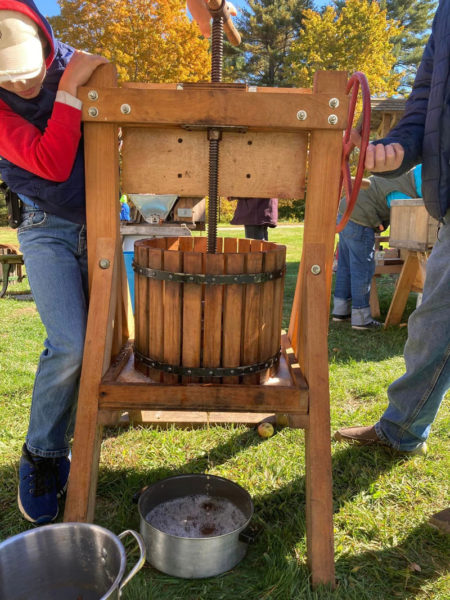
<point x="441" y="520"/>
<point x="364" y="436"/>
<point x="367" y="436"/>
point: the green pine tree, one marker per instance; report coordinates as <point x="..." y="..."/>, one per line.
<point x="268" y="28"/>
<point x="415" y="16"/>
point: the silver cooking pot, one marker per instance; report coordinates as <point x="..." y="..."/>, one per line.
<point x="195" y="557"/>
<point x="64" y="561"/>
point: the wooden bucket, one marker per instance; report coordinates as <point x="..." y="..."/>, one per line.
<point x="203" y="317"/>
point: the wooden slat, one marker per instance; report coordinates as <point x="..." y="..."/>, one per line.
<point x="278" y="295"/>
<point x="312" y="327"/>
<point x="296" y="373"/>
<point x="173" y="262"/>
<point x="200" y="419"/>
<point x="200" y="244"/>
<point x="80" y="502"/>
<point x="268" y="309"/>
<point x="173" y="243"/>
<point x="120" y="318"/>
<point x="230" y="245"/>
<point x="188" y="419"/>
<point x="192" y="315"/>
<point x="251" y="325"/>
<point x="154" y="159"/>
<point x="141" y="252"/>
<point x="206" y="107"/>
<point x="256" y="246"/>
<point x="204" y="397"/>
<point x="186" y="245"/>
<point x="118" y="363"/>
<point x="319" y="497"/>
<point x="244" y="245"/>
<point x="102" y="174"/>
<point x="232" y="312"/>
<point x="212" y="315"/>
<point x="156" y="308"/>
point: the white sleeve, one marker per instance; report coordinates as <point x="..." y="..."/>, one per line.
<point x="66" y="98"/>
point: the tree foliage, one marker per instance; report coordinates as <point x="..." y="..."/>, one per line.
<point x="148" y="40"/>
<point x="415" y="17"/>
<point x="268" y="29"/>
<point x="358" y="37"/>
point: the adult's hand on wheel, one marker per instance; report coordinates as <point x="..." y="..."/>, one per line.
<point x="380" y="158"/>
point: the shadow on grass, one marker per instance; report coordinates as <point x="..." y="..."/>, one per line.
<point x="275" y="566"/>
<point x="351" y="344"/>
<point x="375" y="345"/>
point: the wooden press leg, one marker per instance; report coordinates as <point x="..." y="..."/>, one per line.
<point x="80" y="503"/>
<point x="319" y="501"/>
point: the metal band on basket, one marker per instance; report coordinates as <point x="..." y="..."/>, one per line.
<point x="208" y="279"/>
<point x="206" y="371"/>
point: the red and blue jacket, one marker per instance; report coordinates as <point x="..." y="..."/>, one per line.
<point x="41" y="154"/>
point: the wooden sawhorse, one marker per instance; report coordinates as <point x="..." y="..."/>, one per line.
<point x="11" y="259"/>
<point x="390" y="263"/>
<point x="270" y="138"/>
<point x="411" y="279"/>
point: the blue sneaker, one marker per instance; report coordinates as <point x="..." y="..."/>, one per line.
<point x="41" y="482"/>
<point x="62" y="468"/>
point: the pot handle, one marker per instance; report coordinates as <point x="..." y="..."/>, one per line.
<point x="140" y="562"/>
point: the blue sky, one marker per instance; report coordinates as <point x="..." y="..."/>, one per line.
<point x="49" y="8"/>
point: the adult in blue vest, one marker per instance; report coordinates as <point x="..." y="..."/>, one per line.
<point x="422" y="135"/>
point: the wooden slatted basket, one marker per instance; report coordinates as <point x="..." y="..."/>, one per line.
<point x="204" y="317"/>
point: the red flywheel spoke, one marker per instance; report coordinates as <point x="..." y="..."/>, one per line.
<point x="351" y="188"/>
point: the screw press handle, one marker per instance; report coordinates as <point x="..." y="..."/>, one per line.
<point x="220" y="8"/>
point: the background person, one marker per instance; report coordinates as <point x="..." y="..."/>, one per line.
<point x="356" y="250"/>
<point x="257" y="215"/>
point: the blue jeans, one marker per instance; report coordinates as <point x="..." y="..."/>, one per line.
<point x="55" y="258"/>
<point x="414" y="398"/>
<point x="355" y="269"/>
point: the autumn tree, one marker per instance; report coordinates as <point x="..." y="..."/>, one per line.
<point x="359" y="37"/>
<point x="268" y="29"/>
<point x="414" y="17"/>
<point x="148" y="40"/>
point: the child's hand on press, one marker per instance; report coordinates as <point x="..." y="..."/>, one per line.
<point x="79" y="70"/>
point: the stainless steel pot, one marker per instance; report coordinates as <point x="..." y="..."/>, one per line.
<point x="65" y="561"/>
<point x="194" y="557"/>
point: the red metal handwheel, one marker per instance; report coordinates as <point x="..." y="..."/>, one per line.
<point x="357" y="80"/>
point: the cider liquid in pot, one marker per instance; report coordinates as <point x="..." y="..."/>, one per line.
<point x="196" y="516"/>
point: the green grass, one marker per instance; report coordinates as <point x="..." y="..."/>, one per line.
<point x="383" y="546"/>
